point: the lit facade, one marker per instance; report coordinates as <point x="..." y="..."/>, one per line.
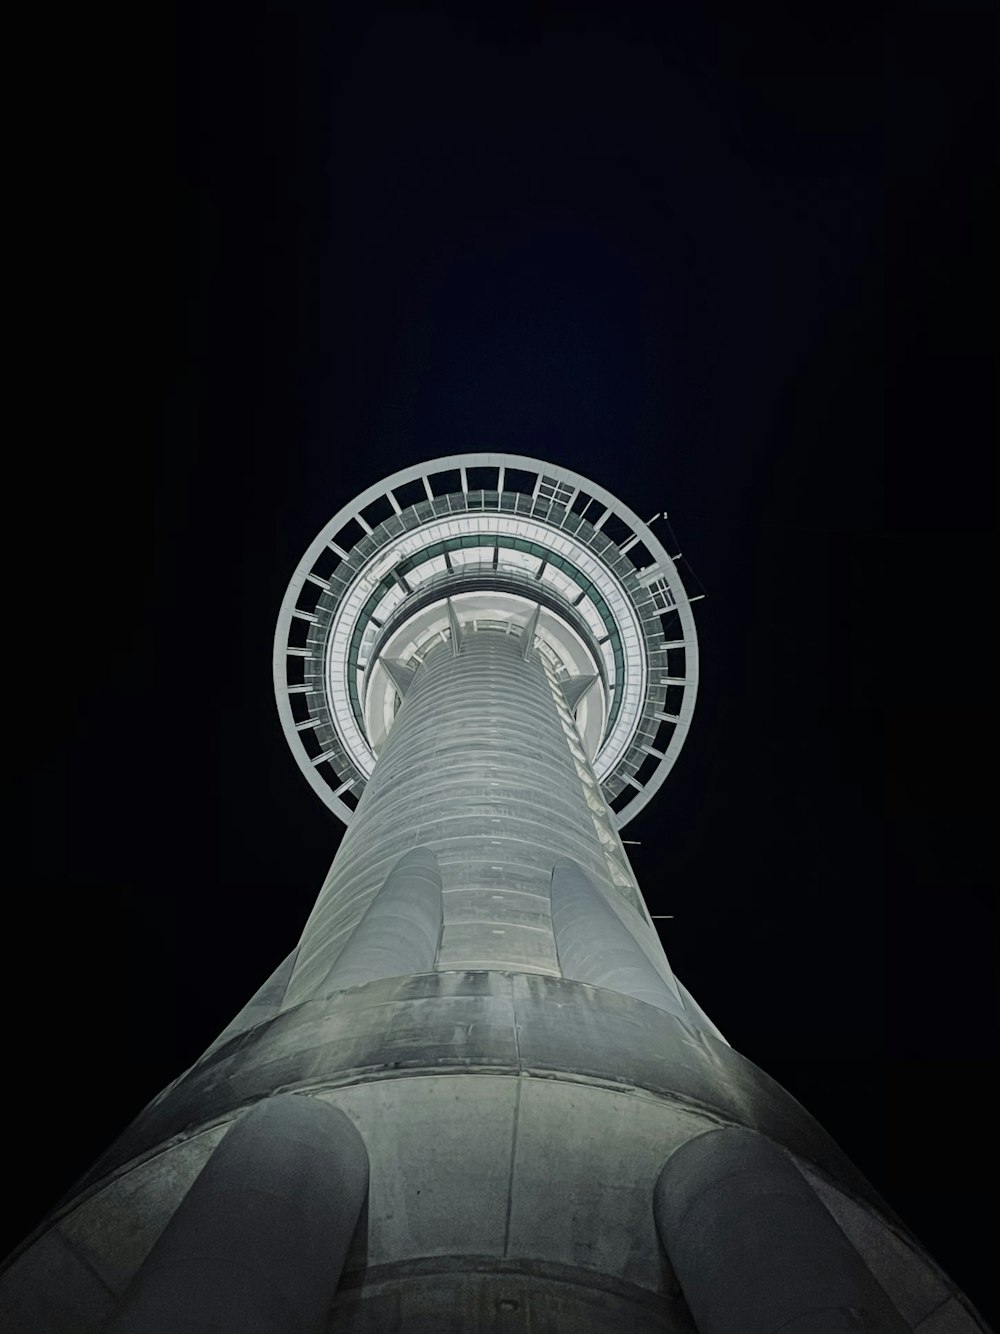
<point x="475" y="1096"/>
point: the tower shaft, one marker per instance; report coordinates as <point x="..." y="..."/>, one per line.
<point x="483" y="765"/>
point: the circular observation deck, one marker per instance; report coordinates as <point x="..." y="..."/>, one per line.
<point x="487" y="543"/>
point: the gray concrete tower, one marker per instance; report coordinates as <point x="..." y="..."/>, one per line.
<point x="474" y="1096"/>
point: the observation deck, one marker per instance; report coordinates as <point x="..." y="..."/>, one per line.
<point x="483" y="542"/>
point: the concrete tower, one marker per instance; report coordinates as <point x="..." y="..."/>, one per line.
<point x="475" y="1096"/>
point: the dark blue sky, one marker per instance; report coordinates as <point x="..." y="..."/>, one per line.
<point x="730" y="265"/>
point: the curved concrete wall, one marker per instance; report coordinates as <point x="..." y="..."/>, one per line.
<point x="447" y="1022"/>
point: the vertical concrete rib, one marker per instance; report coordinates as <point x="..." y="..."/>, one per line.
<point x="594" y="946"/>
<point x="575" y="688"/>
<point x="754" y="1250"/>
<point x="258" y="1243"/>
<point x="401" y="930"/>
<point x="528" y="633"/>
<point x="456" y="630"/>
<point x="400" y="673"/>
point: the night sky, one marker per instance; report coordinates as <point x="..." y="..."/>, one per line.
<point x="732" y="267"/>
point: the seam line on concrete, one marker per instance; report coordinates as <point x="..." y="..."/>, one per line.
<point x="496" y="889"/>
<point x="481" y="965"/>
<point x="75" y="1251"/>
<point x="500" y="921"/>
<point x="432" y="1266"/>
<point x="510" y="1180"/>
<point x="952" y="1296"/>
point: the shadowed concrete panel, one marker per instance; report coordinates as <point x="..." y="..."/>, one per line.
<point x="696" y="1015"/>
<point x="923" y="1295"/>
<point x="258" y="1243"/>
<point x="115" y="1229"/>
<point x="753" y="1248"/>
<point x="263" y="1005"/>
<point x="53" y="1288"/>
<point x="401" y="930"/>
<point x="594" y="946"/>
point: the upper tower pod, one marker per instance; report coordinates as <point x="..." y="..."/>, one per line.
<point x="476" y="542"/>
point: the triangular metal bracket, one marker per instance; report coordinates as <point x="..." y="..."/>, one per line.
<point x="574" y="688"/>
<point x="528" y="633"/>
<point x="456" y="630"/>
<point x="400" y="673"/>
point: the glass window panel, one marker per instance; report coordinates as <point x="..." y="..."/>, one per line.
<point x="516" y="560"/>
<point x="592" y="617"/>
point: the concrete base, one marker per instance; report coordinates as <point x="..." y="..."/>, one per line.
<point x="515" y="1125"/>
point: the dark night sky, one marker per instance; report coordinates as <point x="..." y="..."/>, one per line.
<point x="732" y="267"/>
